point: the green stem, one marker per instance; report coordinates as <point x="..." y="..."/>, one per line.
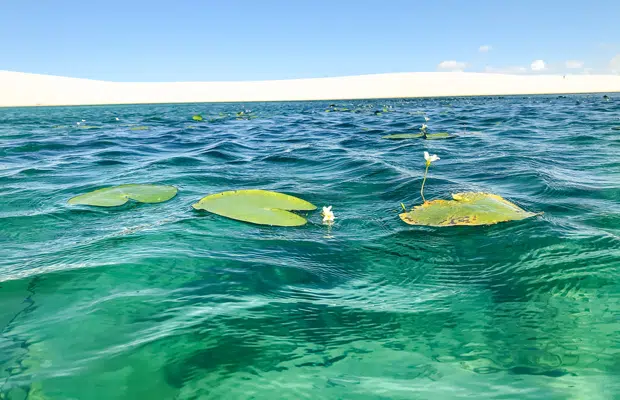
<point x="424" y="181"/>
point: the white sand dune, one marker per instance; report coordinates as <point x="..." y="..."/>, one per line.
<point x="22" y="89"/>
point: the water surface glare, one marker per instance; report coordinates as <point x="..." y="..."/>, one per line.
<point x="158" y="301"/>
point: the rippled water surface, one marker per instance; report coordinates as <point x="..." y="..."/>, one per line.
<point x="158" y="301"/>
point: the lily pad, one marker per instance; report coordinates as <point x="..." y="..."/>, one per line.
<point x="439" y="135"/>
<point x="256" y="206"/>
<point x="119" y="195"/>
<point x="197" y="117"/>
<point x="429" y="136"/>
<point x="615" y="128"/>
<point x="468" y="208"/>
<point x="139" y="128"/>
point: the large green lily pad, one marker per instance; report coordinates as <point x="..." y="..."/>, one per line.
<point x="429" y="136"/>
<point x="256" y="206"/>
<point x="466" y="209"/>
<point x="119" y="195"/>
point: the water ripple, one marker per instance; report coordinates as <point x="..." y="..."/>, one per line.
<point x="161" y="301"/>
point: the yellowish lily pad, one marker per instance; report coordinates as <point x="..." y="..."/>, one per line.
<point x="256" y="206"/>
<point x="119" y="195"/>
<point x="467" y="208"/>
<point x="139" y="128"/>
<point x="197" y="117"/>
<point x="429" y="136"/>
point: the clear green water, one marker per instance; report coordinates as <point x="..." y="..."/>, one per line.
<point x="162" y="302"/>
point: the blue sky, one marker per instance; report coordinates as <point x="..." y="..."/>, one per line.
<point x="191" y="40"/>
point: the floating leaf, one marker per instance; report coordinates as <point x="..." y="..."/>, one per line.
<point x="439" y="135"/>
<point x="402" y="136"/>
<point x="615" y="128"/>
<point x="197" y="117"/>
<point x="256" y="206"/>
<point x="466" y="209"/>
<point x="429" y="136"/>
<point x="139" y="128"/>
<point x="119" y="195"/>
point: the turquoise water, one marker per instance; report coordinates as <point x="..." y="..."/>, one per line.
<point x="158" y="301"/>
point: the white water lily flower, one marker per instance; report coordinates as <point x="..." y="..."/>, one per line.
<point x="117" y="119"/>
<point x="429" y="159"/>
<point x="328" y="215"/>
<point x="424" y="127"/>
<point x="426" y="118"/>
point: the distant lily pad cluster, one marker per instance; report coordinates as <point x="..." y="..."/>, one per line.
<point x="335" y="109"/>
<point x="241" y="115"/>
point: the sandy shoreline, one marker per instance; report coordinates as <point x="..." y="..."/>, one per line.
<point x="22" y="89"/>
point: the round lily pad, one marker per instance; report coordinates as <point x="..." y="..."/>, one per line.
<point x="197" y="117"/>
<point x="119" y="195"/>
<point x="429" y="136"/>
<point x="256" y="206"/>
<point x="466" y="209"/>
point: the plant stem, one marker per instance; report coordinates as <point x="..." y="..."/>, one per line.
<point x="424" y="181"/>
